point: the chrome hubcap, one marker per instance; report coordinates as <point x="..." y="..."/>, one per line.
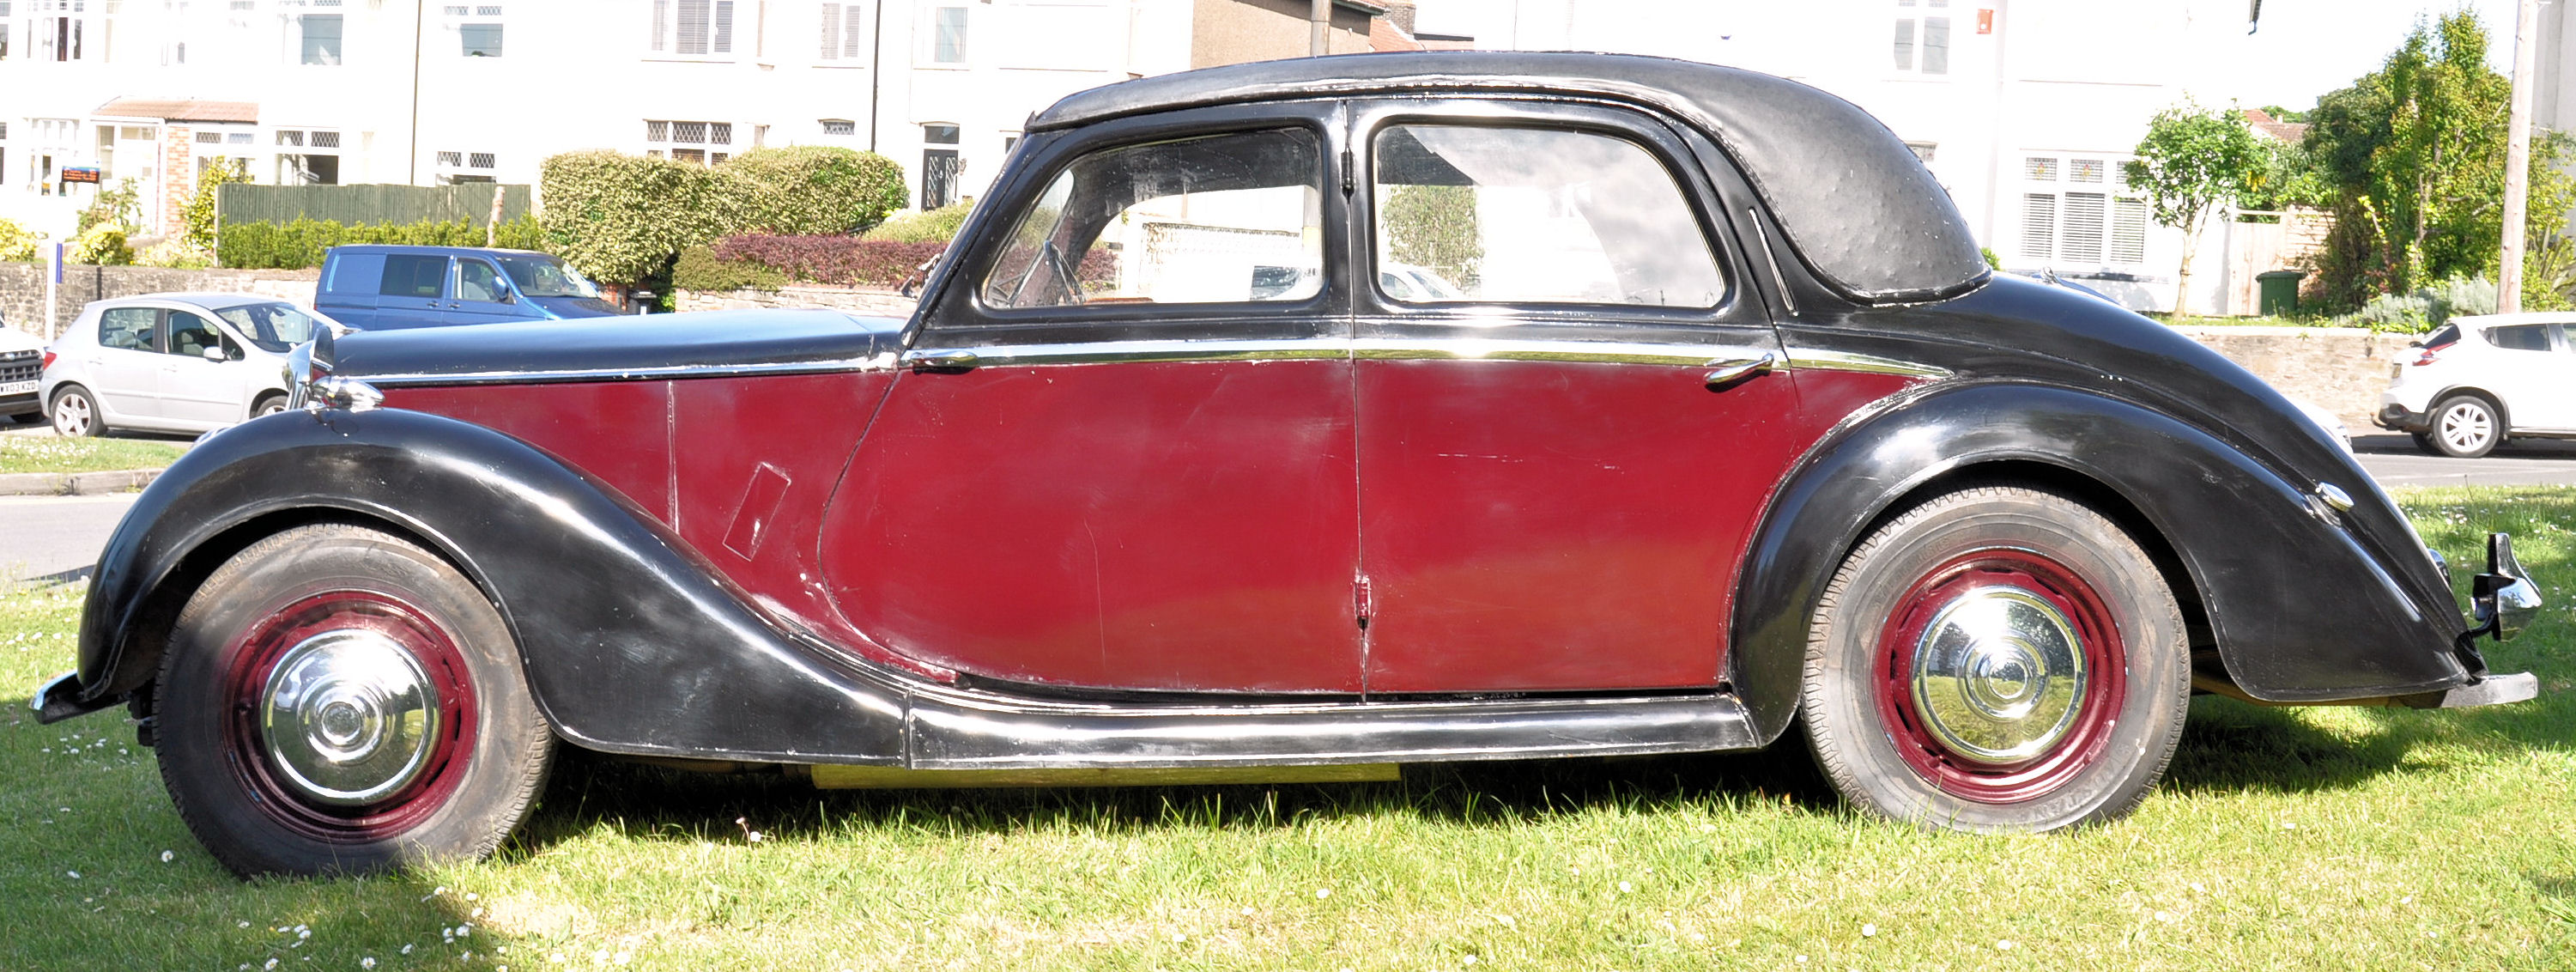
<point x="1998" y="675"/>
<point x="347" y="717"/>
<point x="2467" y="426"/>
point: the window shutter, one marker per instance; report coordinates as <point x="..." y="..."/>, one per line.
<point x="831" y="31"/>
<point x="2038" y="225"/>
<point x="2128" y="231"/>
<point x="2080" y="239"/>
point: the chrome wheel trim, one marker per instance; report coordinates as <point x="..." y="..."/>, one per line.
<point x="275" y="405"/>
<point x="72" y="415"/>
<point x="2467" y="426"/>
<point x="346" y="717"/>
<point x="1998" y="675"/>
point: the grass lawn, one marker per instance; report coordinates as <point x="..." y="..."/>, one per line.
<point x="2282" y="838"/>
<point x="55" y="454"/>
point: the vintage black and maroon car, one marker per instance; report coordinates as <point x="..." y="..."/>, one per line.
<point x="1287" y="421"/>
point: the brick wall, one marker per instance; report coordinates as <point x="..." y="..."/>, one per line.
<point x="178" y="178"/>
<point x="22" y="288"/>
<point x="2339" y="369"/>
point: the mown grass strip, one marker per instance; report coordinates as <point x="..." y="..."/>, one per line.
<point x="54" y="454"/>
<point x="2282" y="838"/>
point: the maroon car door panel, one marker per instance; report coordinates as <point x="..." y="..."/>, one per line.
<point x="1567" y="422"/>
<point x="1125" y="458"/>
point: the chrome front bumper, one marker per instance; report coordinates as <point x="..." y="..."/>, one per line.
<point x="2503" y="600"/>
<point x="59" y="700"/>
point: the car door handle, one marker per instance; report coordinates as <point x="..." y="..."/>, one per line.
<point x="957" y="360"/>
<point x="1734" y="371"/>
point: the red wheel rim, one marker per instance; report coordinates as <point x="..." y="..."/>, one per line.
<point x="2087" y="729"/>
<point x="275" y="791"/>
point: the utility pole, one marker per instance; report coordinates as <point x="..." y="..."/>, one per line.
<point x="2517" y="157"/>
<point x="1319" y="21"/>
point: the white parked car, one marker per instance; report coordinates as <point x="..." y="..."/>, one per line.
<point x="21" y="359"/>
<point x="173" y="362"/>
<point x="2481" y="380"/>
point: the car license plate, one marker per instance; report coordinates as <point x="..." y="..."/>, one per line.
<point x="18" y="388"/>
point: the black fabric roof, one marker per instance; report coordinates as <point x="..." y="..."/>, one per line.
<point x="1855" y="202"/>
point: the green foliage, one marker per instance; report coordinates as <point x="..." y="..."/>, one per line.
<point x="2282" y="177"/>
<point x="197" y="218"/>
<point x="16" y="244"/>
<point x="1435" y="227"/>
<point x="2192" y="160"/>
<point x="300" y="244"/>
<point x="2549" y="250"/>
<point x="621" y="219"/>
<point x="102" y="244"/>
<point x="121" y="206"/>
<point x="700" y="269"/>
<point x="2426" y="308"/>
<point x="174" y="253"/>
<point x="931" y="226"/>
<point x="2412" y="158"/>
<point x="814" y="189"/>
<point x="1993" y="262"/>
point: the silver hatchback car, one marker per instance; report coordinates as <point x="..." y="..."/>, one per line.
<point x="173" y="362"/>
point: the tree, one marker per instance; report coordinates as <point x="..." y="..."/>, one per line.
<point x="2412" y="159"/>
<point x="2192" y="162"/>
<point x="197" y="218"/>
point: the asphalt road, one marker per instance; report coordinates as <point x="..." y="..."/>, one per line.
<point x="57" y="538"/>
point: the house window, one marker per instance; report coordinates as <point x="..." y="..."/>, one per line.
<point x="2087" y="217"/>
<point x="458" y="167"/>
<point x="701" y="142"/>
<point x="4" y="53"/>
<point x="939" y="166"/>
<point x="840" y="126"/>
<point x="948" y="37"/>
<point x="308" y="158"/>
<point x="320" y="35"/>
<point x="1923" y="151"/>
<point x="693" y="28"/>
<point x="477" y="27"/>
<point x="845" y="32"/>
<point x="1923" y="37"/>
<point x="57" y="38"/>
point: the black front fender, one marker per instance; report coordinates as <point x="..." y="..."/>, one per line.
<point x="2302" y="608"/>
<point x="630" y="642"/>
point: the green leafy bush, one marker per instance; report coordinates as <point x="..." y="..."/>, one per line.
<point x="175" y="253"/>
<point x="623" y="219"/>
<point x="300" y="244"/>
<point x="2427" y="308"/>
<point x="808" y="190"/>
<point x="16" y="244"/>
<point x="197" y="218"/>
<point x="933" y="226"/>
<point x="102" y="244"/>
<point x="700" y="269"/>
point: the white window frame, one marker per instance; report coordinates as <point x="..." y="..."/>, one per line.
<point x="305" y="143"/>
<point x="2067" y="186"/>
<point x="291" y="14"/>
<point x="460" y="166"/>
<point x="455" y="17"/>
<point x="725" y="37"/>
<point x="928" y="36"/>
<point x="850" y="42"/>
<point x="1912" y="26"/>
<point x="713" y="141"/>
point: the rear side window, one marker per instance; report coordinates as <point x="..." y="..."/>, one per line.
<point x="126" y="327"/>
<point x="1534" y="215"/>
<point x="413" y="276"/>
<point x="2520" y="337"/>
<point x="354" y="274"/>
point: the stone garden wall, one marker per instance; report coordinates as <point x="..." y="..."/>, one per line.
<point x="22" y="288"/>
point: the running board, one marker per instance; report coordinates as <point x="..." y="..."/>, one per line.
<point x="952" y="729"/>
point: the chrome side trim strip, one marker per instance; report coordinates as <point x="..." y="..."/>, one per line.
<point x="1822" y="360"/>
<point x="1118" y="352"/>
<point x="1331" y="349"/>
<point x="881" y="362"/>
<point x="1511" y="349"/>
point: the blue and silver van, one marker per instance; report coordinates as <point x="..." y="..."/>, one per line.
<point x="386" y="287"/>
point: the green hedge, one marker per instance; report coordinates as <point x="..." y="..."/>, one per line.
<point x="932" y="226"/>
<point x="299" y="245"/>
<point x="812" y="190"/>
<point x="700" y="269"/>
<point x="624" y="219"/>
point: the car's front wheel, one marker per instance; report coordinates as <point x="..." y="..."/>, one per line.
<point x="335" y="699"/>
<point x="76" y="413"/>
<point x="269" y="404"/>
<point x="1997" y="658"/>
<point x="2466" y="427"/>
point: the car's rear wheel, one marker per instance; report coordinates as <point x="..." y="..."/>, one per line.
<point x="2466" y="427"/>
<point x="337" y="700"/>
<point x="269" y="404"/>
<point x="76" y="413"/>
<point x="1996" y="658"/>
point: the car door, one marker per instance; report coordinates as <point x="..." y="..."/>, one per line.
<point x="125" y="366"/>
<point x="1567" y="428"/>
<point x="1121" y="455"/>
<point x="412" y="292"/>
<point x="194" y="390"/>
<point x="481" y="294"/>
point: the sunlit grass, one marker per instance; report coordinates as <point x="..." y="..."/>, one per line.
<point x="2282" y="838"/>
<point x="55" y="454"/>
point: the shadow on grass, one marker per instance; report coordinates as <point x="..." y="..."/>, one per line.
<point x="643" y="801"/>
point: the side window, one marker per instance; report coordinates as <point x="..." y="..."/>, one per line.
<point x="1219" y="219"/>
<point x="191" y="335"/>
<point x="476" y="280"/>
<point x="1534" y="215"/>
<point x="2520" y="337"/>
<point x="126" y="327"/>
<point x="413" y="276"/>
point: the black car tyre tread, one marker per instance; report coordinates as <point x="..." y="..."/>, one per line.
<point x="1846" y="728"/>
<point x="88" y="402"/>
<point x="2470" y="405"/>
<point x="505" y="762"/>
